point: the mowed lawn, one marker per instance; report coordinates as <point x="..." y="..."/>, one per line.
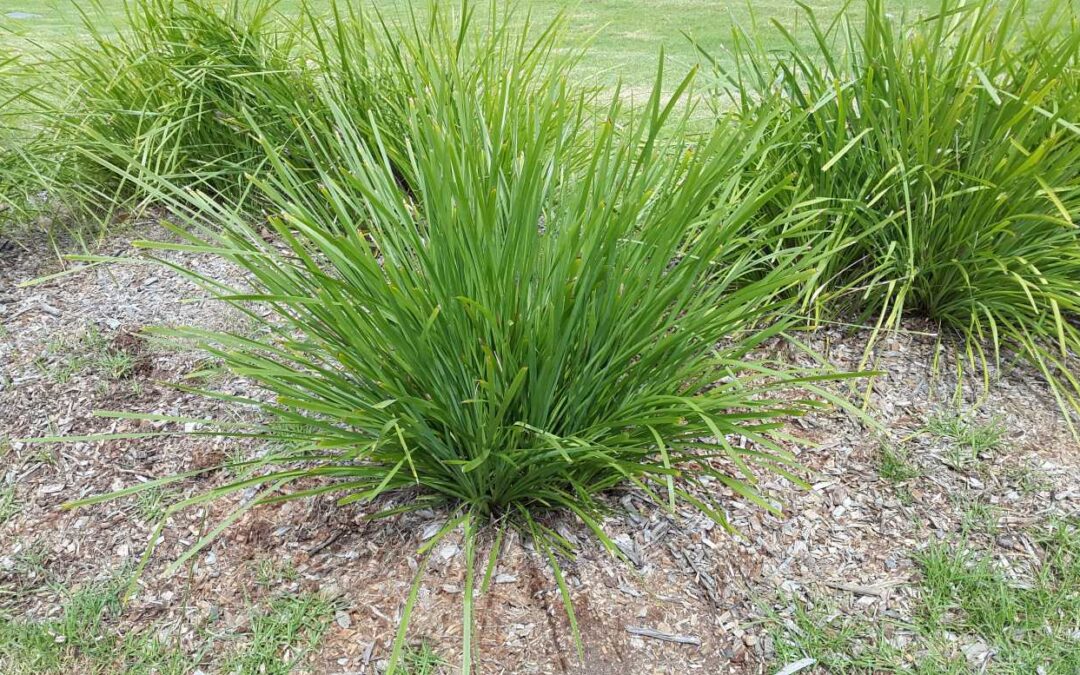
<point x="626" y="35"/>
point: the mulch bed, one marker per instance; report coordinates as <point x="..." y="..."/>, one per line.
<point x="692" y="599"/>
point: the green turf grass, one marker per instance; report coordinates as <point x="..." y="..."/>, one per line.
<point x="628" y="33"/>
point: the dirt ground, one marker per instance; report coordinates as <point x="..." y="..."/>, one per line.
<point x="849" y="538"/>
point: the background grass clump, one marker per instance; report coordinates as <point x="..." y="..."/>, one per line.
<point x="949" y="150"/>
<point x="17" y="184"/>
<point x="195" y="91"/>
<point x="178" y="87"/>
<point x="7" y="149"/>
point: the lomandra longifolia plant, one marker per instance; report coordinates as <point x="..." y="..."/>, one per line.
<point x="533" y="321"/>
<point x="172" y="90"/>
<point x="949" y="149"/>
<point x="9" y="160"/>
<point x="20" y="203"/>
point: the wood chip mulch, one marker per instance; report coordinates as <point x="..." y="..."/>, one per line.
<point x="692" y="599"/>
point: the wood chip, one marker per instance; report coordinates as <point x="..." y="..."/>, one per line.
<point x="878" y="590"/>
<point x="666" y="637"/>
<point x="796" y="666"/>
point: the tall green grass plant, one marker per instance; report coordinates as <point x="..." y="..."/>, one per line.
<point x="948" y="149"/>
<point x="176" y="88"/>
<point x="533" y="318"/>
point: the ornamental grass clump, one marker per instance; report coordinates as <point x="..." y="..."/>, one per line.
<point x="8" y="146"/>
<point x="175" y="90"/>
<point x="949" y="151"/>
<point x="17" y="140"/>
<point x="534" y="319"/>
<point x="192" y="90"/>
